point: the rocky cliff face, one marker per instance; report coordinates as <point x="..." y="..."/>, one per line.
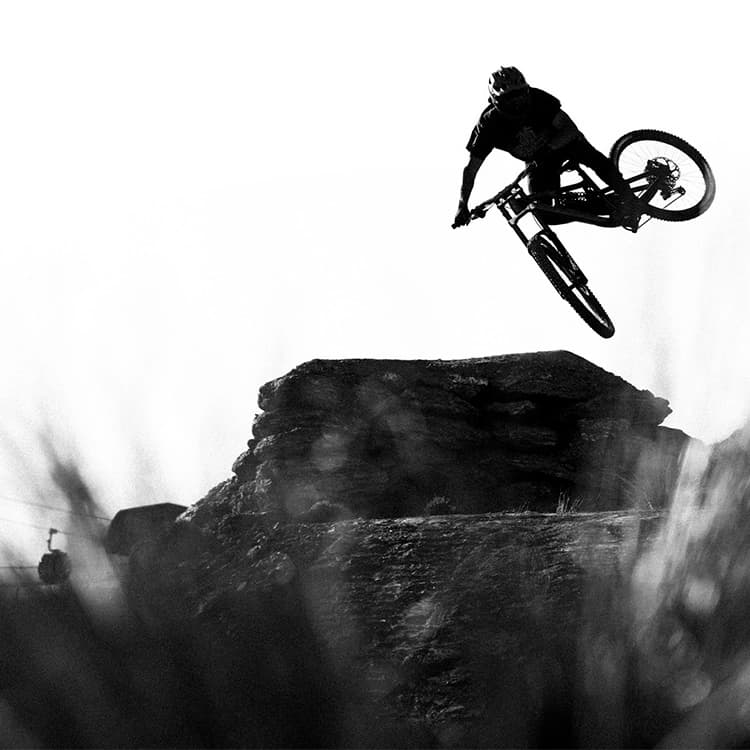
<point x="464" y="626"/>
<point x="382" y="438"/>
<point x="487" y="629"/>
<point x="496" y="630"/>
<point x="240" y="628"/>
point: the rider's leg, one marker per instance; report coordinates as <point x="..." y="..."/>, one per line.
<point x="602" y="165"/>
<point x="545" y="178"/>
<point x="627" y="211"/>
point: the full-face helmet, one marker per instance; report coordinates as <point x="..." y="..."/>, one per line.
<point x="506" y="81"/>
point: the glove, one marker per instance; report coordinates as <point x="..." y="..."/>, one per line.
<point x="463" y="216"/>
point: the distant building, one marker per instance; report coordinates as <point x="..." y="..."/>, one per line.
<point x="133" y="525"/>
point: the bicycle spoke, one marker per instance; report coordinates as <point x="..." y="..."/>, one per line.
<point x="684" y="179"/>
<point x="635" y="159"/>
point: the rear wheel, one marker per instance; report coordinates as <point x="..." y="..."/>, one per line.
<point x="570" y="283"/>
<point x="686" y="184"/>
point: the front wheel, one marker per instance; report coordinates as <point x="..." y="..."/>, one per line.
<point x="570" y="283"/>
<point x="672" y="178"/>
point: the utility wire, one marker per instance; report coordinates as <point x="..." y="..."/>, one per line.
<point x="45" y="528"/>
<point x="7" y="499"/>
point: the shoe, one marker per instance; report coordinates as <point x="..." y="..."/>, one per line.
<point x="632" y="223"/>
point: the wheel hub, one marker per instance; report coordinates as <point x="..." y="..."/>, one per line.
<point x="666" y="172"/>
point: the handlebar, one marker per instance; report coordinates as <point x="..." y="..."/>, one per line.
<point x="480" y="210"/>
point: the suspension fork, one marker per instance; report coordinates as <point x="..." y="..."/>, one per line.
<point x="513" y="214"/>
<point x="513" y="217"/>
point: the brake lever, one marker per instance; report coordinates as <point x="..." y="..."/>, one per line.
<point x="475" y="213"/>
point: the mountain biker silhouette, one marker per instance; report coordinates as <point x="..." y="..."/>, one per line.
<point x="529" y="124"/>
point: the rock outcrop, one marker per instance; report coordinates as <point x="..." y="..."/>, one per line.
<point x="480" y="628"/>
<point x="132" y="526"/>
<point x="290" y="628"/>
<point x="466" y="628"/>
<point x="382" y="438"/>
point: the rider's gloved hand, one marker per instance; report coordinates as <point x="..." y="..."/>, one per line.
<point x="463" y="216"/>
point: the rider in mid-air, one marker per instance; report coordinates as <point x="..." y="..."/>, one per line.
<point x="529" y="124"/>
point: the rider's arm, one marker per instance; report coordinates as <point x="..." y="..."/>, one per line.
<point x="467" y="182"/>
<point x="563" y="131"/>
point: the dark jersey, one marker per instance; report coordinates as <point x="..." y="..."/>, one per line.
<point x="519" y="134"/>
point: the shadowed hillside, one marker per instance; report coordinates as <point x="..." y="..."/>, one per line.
<point x="295" y="607"/>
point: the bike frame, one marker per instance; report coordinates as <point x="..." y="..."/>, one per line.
<point x="583" y="200"/>
<point x="514" y="202"/>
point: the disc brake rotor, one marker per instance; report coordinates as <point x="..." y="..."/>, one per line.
<point x="666" y="172"/>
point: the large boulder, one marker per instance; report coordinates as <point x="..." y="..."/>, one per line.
<point x="132" y="526"/>
<point x="519" y="431"/>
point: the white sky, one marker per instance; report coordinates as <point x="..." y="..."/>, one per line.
<point x="195" y="197"/>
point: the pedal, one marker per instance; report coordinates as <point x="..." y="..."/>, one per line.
<point x="631" y="223"/>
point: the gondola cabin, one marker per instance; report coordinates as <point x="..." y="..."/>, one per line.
<point x="54" y="567"/>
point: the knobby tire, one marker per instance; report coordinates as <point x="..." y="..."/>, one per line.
<point x="659" y="136"/>
<point x="542" y="250"/>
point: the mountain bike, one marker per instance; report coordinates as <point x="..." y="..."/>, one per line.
<point x="671" y="180"/>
